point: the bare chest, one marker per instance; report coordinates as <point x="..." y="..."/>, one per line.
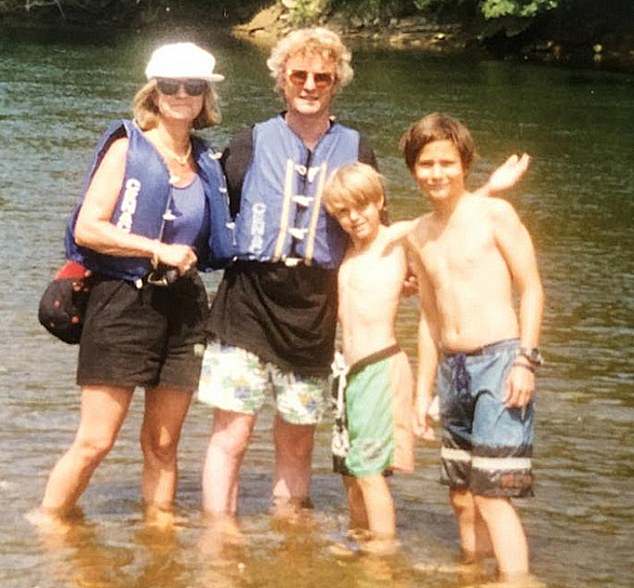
<point x="372" y="275"/>
<point x="459" y="250"/>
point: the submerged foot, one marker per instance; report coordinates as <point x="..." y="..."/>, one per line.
<point x="380" y="547"/>
<point x="344" y="549"/>
<point x="363" y="542"/>
<point x="161" y="519"/>
<point x="514" y="581"/>
<point x="220" y="538"/>
<point x="48" y="521"/>
<point x="293" y="514"/>
<point x="470" y="570"/>
<point x="443" y="568"/>
<point x="358" y="535"/>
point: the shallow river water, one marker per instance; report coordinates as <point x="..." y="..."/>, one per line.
<point x="56" y="96"/>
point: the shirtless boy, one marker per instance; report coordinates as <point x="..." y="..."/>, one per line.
<point x="379" y="383"/>
<point x="471" y="254"/>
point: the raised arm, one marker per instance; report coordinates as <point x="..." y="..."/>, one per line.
<point x="505" y="176"/>
<point x="399" y="230"/>
<point x="517" y="248"/>
<point x="95" y="231"/>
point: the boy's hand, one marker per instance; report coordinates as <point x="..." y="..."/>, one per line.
<point x="520" y="385"/>
<point x="410" y="286"/>
<point x="508" y="174"/>
<point x="426" y="411"/>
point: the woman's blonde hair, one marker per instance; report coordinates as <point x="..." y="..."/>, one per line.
<point x="311" y="41"/>
<point x="146" y="112"/>
<point x="354" y="185"/>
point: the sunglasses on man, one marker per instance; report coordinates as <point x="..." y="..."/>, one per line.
<point x="321" y="79"/>
<point x="169" y="87"/>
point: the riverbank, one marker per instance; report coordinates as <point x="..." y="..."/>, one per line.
<point x="544" y="41"/>
<point x="599" y="39"/>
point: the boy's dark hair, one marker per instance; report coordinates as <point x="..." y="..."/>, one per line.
<point x="437" y="127"/>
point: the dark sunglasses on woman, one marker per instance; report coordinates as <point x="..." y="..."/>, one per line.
<point x="321" y="79"/>
<point x="169" y="87"/>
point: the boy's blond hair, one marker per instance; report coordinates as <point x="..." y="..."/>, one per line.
<point x="354" y="185"/>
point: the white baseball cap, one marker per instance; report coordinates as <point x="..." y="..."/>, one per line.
<point x="182" y="60"/>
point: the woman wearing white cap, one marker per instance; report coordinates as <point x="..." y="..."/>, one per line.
<point x="154" y="207"/>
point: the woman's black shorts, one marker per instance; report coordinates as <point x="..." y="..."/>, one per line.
<point x="150" y="336"/>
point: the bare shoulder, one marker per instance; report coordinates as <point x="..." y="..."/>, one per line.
<point x="497" y="207"/>
<point x="109" y="175"/>
<point x="501" y="212"/>
<point x="420" y="231"/>
<point x="118" y="149"/>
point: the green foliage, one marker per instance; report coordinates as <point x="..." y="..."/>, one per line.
<point x="521" y="8"/>
<point x="306" y="12"/>
<point x="492" y="8"/>
<point x="302" y="12"/>
<point x="127" y="12"/>
<point x="370" y="9"/>
<point x="431" y="5"/>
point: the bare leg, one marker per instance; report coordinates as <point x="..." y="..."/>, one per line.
<point x="165" y="411"/>
<point x="474" y="535"/>
<point x="293" y="457"/>
<point x="230" y="436"/>
<point x="507" y="535"/>
<point x="358" y="513"/>
<point x="358" y="527"/>
<point x="103" y="409"/>
<point x="379" y="506"/>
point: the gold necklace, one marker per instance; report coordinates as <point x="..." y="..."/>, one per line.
<point x="181" y="159"/>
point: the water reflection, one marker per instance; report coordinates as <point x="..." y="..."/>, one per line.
<point x="56" y="97"/>
<point x="76" y="556"/>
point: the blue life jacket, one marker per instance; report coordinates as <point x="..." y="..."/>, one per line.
<point x="143" y="204"/>
<point x="281" y="215"/>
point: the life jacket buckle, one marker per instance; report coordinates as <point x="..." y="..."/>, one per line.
<point x="303" y="200"/>
<point x="312" y="172"/>
<point x="298" y="233"/>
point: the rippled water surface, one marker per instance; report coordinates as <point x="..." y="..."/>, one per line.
<point x="56" y="96"/>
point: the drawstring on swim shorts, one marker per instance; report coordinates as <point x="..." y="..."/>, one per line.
<point x="462" y="379"/>
<point x="340" y="440"/>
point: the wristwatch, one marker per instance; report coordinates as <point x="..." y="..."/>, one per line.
<point x="532" y="355"/>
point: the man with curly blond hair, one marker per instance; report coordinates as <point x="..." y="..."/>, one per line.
<point x="272" y="323"/>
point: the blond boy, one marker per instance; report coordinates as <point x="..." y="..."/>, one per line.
<point x="471" y="254"/>
<point x="378" y="381"/>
